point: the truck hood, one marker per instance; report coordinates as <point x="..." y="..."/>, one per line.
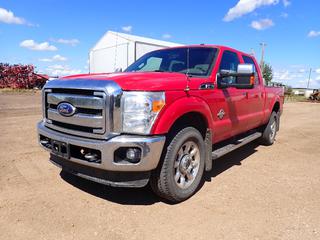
<point x="138" y="81"/>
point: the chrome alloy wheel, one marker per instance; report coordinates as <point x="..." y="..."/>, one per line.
<point x="186" y="166"/>
<point x="273" y="130"/>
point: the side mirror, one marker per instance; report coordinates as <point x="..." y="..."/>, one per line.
<point x="243" y="78"/>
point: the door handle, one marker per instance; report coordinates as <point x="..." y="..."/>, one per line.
<point x="245" y="94"/>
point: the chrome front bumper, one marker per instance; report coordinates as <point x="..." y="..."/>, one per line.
<point x="151" y="149"/>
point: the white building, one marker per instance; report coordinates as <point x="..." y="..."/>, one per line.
<point x="118" y="50"/>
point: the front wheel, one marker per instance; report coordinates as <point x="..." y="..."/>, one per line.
<point x="180" y="173"/>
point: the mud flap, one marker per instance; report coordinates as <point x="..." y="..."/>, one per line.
<point x="278" y="121"/>
<point x="208" y="146"/>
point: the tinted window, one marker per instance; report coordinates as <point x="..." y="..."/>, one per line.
<point x="229" y="61"/>
<point x="249" y="60"/>
<point x="194" y="61"/>
<point x="152" y="64"/>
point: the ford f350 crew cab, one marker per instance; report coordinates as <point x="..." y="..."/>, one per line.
<point x="163" y="120"/>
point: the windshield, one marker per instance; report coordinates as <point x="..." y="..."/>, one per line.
<point x="194" y="61"/>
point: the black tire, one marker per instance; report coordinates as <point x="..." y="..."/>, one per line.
<point x="163" y="181"/>
<point x="269" y="132"/>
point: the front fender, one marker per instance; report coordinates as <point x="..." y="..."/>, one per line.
<point x="177" y="109"/>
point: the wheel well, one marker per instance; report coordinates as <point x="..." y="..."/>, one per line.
<point x="191" y="119"/>
<point x="276" y="107"/>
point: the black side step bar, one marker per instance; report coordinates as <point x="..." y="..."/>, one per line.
<point x="239" y="143"/>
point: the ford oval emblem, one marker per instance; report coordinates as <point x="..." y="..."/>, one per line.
<point x="66" y="109"/>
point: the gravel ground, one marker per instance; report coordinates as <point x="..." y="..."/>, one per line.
<point x="256" y="192"/>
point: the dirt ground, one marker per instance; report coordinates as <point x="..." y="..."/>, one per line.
<point x="256" y="192"/>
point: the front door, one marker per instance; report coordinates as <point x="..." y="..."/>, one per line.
<point x="228" y="106"/>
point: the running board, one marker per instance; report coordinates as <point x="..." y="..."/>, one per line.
<point x="239" y="143"/>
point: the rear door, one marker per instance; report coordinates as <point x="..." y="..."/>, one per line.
<point x="255" y="99"/>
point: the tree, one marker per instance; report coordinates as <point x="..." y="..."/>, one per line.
<point x="267" y="73"/>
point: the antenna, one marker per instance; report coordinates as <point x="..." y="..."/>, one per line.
<point x="187" y="89"/>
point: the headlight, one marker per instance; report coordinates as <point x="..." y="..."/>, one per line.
<point x="140" y="110"/>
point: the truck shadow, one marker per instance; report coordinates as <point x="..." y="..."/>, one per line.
<point x="145" y="196"/>
<point x="231" y="159"/>
<point x="125" y="196"/>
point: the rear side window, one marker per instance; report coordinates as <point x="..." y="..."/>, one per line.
<point x="249" y="60"/>
<point x="229" y="61"/>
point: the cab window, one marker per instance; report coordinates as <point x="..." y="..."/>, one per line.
<point x="230" y="62"/>
<point x="249" y="60"/>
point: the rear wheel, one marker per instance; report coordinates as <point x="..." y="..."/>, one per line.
<point x="180" y="173"/>
<point x="270" y="130"/>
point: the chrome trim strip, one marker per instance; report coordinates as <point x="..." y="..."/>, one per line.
<point x="76" y="100"/>
<point x="107" y="86"/>
<point x="45" y="92"/>
<point x="79" y="119"/>
<point x="96" y="134"/>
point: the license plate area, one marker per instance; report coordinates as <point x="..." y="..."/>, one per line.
<point x="61" y="149"/>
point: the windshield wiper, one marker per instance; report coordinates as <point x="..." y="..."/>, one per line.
<point x="186" y="74"/>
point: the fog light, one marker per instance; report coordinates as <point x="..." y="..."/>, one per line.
<point x="91" y="157"/>
<point x="44" y="141"/>
<point x="133" y="155"/>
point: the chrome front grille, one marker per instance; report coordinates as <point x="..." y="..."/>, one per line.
<point x="90" y="116"/>
<point x="95" y="103"/>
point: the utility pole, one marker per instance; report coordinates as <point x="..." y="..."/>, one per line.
<point x="252" y="52"/>
<point x="309" y="78"/>
<point x="263" y="45"/>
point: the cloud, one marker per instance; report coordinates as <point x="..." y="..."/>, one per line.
<point x="314" y="33"/>
<point x="284" y="15"/>
<point x="127" y="29"/>
<point x="86" y="67"/>
<point x="72" y="42"/>
<point x="297" y="76"/>
<point x="32" y="45"/>
<point x="166" y="36"/>
<point x="244" y="7"/>
<point x="262" y="24"/>
<point x="285" y="75"/>
<point x="60" y="70"/>
<point x="282" y="76"/>
<point x="55" y="58"/>
<point x="286" y="3"/>
<point x="8" y="17"/>
<point x="305" y="82"/>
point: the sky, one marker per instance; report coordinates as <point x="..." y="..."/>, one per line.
<point x="56" y="35"/>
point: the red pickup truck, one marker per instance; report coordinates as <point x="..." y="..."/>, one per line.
<point x="163" y="120"/>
